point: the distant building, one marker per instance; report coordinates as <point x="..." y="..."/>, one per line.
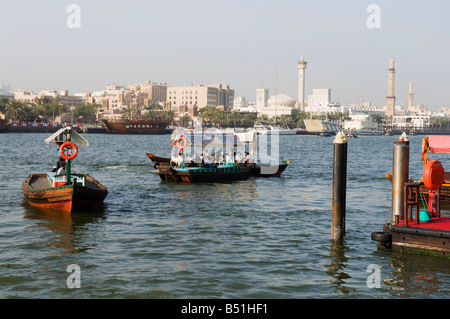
<point x="319" y="98"/>
<point x="278" y="105"/>
<point x="156" y="92"/>
<point x="411" y="121"/>
<point x="240" y="102"/>
<point x="5" y="91"/>
<point x="114" y="99"/>
<point x="211" y="95"/>
<point x="63" y="96"/>
<point x="262" y="95"/>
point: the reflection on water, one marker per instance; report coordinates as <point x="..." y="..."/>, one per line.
<point x="337" y="269"/>
<point x="66" y="228"/>
<point x="413" y="276"/>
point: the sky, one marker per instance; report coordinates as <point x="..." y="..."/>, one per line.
<point x="247" y="44"/>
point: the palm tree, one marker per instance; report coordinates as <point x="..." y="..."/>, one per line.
<point x="129" y="112"/>
<point x="185" y="120"/>
<point x="14" y="110"/>
<point x="234" y="117"/>
<point x="4" y="101"/>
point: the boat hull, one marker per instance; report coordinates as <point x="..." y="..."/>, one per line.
<point x="203" y="175"/>
<point x="136" y="127"/>
<point x="39" y="193"/>
<point x="269" y="171"/>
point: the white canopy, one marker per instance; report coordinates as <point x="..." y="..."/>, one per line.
<point x="74" y="136"/>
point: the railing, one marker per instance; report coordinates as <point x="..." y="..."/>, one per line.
<point x="411" y="201"/>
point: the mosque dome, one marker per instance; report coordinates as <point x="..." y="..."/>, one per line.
<point x="281" y="100"/>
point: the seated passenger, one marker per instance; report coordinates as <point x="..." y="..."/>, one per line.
<point x="246" y="158"/>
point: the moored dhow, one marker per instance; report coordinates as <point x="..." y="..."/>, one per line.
<point x="62" y="189"/>
<point x="124" y="126"/>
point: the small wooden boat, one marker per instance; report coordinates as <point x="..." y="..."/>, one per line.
<point x="85" y="192"/>
<point x="162" y="163"/>
<point x="68" y="191"/>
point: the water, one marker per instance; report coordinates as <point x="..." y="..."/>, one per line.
<point x="259" y="238"/>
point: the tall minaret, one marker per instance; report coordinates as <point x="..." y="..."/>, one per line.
<point x="301" y="83"/>
<point x="390" y="99"/>
<point x="410" y="95"/>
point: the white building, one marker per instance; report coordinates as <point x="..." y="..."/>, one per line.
<point x="277" y="105"/>
<point x="240" y="103"/>
<point x="262" y="95"/>
<point x="319" y="98"/>
<point x="411" y="121"/>
<point x="361" y="122"/>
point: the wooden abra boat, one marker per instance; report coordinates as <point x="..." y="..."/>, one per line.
<point x="163" y="163"/>
<point x="67" y="191"/>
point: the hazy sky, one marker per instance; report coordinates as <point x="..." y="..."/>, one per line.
<point x="236" y="42"/>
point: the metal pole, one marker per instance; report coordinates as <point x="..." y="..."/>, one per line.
<point x="339" y="187"/>
<point x="400" y="174"/>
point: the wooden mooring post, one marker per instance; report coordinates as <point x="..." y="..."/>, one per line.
<point x="339" y="187"/>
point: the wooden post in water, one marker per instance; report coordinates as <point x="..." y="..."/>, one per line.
<point x="339" y="187"/>
<point x="400" y="174"/>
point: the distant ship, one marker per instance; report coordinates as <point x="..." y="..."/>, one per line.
<point x="123" y="126"/>
<point x="3" y="125"/>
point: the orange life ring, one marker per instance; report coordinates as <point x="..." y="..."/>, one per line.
<point x="181" y="139"/>
<point x="433" y="175"/>
<point x="68" y="145"/>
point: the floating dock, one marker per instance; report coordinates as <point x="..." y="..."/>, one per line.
<point x="416" y="223"/>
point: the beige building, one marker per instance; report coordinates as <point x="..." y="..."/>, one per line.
<point x="114" y="99"/>
<point x="200" y="95"/>
<point x="156" y="92"/>
<point x="63" y="96"/>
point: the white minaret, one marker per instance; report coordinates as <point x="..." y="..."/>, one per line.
<point x="410" y="95"/>
<point x="301" y="82"/>
<point x="390" y="99"/>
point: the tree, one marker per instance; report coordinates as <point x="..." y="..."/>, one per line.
<point x="234" y="117"/>
<point x="4" y="101"/>
<point x="153" y="106"/>
<point x="87" y="111"/>
<point x="184" y="120"/>
<point x="15" y="111"/>
<point x="129" y="112"/>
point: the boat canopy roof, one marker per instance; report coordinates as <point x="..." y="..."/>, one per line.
<point x="204" y="138"/>
<point x="74" y="136"/>
<point x="438" y="144"/>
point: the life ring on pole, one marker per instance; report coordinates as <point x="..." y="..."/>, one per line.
<point x="69" y="146"/>
<point x="433" y="175"/>
<point x="184" y="142"/>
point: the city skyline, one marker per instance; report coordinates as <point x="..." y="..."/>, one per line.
<point x="241" y="44"/>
